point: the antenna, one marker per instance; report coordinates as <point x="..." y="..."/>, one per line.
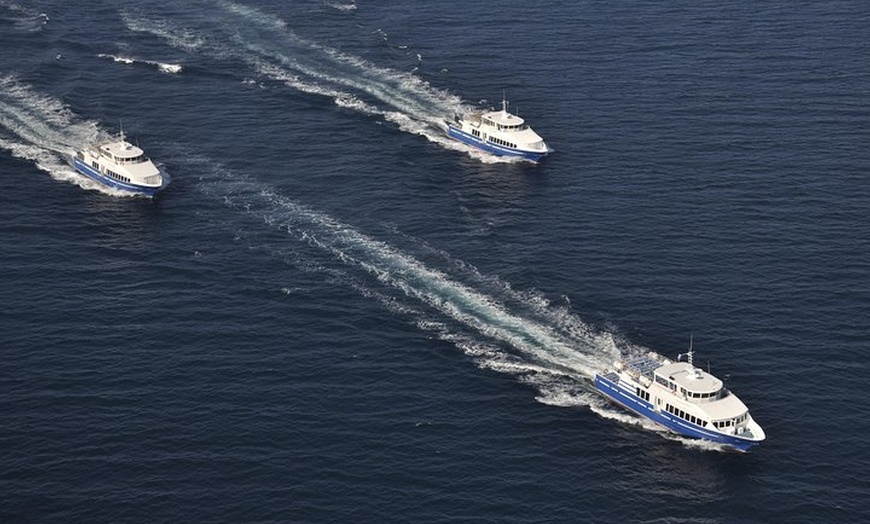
<point x="503" y="101"/>
<point x="691" y="353"/>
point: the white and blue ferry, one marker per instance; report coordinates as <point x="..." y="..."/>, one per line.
<point x="119" y="164"/>
<point x="682" y="398"/>
<point x="500" y="133"/>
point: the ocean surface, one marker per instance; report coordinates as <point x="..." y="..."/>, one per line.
<point x="334" y="313"/>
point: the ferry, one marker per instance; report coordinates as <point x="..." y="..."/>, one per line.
<point x="500" y="133"/>
<point x="682" y="398"/>
<point x="119" y="164"/>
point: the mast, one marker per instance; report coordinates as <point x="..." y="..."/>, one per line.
<point x="691" y="353"/>
<point x="503" y="102"/>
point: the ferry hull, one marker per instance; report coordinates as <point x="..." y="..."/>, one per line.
<point x="90" y="172"/>
<point x="472" y="140"/>
<point x="632" y="402"/>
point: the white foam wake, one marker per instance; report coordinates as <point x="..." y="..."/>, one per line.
<point x="163" y="67"/>
<point x="265" y="43"/>
<point x="519" y="333"/>
<point x="502" y="332"/>
<point x="24" y="19"/>
<point x="41" y="129"/>
<point x="351" y="6"/>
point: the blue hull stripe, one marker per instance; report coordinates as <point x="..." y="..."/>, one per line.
<point x="90" y="172"/>
<point x="472" y="140"/>
<point x="632" y="402"/>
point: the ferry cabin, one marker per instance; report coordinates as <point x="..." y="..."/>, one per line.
<point x="119" y="161"/>
<point x="499" y="132"/>
<point x="688" y="393"/>
<point x="506" y="130"/>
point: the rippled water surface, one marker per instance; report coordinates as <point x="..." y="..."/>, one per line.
<point x="336" y="314"/>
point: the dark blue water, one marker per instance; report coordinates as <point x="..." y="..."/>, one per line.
<point x="335" y="314"/>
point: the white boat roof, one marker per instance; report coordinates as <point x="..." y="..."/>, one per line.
<point x="725" y="408"/>
<point x="504" y="118"/>
<point x="121" y="149"/>
<point x="689" y="377"/>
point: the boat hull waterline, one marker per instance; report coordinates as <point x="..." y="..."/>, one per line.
<point x="682" y="399"/>
<point x="120" y="165"/>
<point x="500" y="133"/>
<point x="91" y="173"/>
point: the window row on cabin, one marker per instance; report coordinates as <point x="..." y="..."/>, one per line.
<point x="134" y="160"/>
<point x="501" y="142"/>
<point x="692" y="394"/>
<point x="720" y="424"/>
<point x="642" y="393"/>
<point x="116" y="176"/>
<point x="722" y="393"/>
<point x="685" y="416"/>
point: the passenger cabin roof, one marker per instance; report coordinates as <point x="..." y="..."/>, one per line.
<point x="689" y="377"/>
<point x="122" y="149"/>
<point x="504" y="118"/>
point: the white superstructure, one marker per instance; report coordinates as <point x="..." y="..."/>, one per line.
<point x="681" y="397"/>
<point x="118" y="163"/>
<point x="499" y="132"/>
